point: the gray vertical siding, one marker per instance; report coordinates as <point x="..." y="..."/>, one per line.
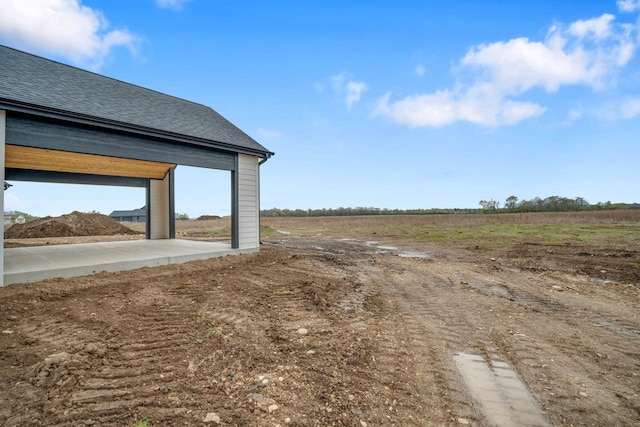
<point x="172" y="203"/>
<point x="248" y="202"/>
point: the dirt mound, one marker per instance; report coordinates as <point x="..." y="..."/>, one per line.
<point x="208" y="217"/>
<point x="73" y="224"/>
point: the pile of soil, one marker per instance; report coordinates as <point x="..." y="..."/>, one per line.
<point x="73" y="224"/>
<point x="208" y="217"/>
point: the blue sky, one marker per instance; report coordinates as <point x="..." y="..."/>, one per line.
<point x="406" y="104"/>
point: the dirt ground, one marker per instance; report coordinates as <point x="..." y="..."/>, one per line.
<point x="324" y="331"/>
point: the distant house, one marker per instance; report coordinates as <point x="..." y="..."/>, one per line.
<point x="136" y="215"/>
<point x="10" y="219"/>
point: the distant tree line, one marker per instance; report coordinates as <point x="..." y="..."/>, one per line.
<point x="358" y="211"/>
<point x="550" y="204"/>
<point x="511" y="204"/>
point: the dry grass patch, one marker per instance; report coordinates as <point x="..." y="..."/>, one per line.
<point x="490" y="231"/>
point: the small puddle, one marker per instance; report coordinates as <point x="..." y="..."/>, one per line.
<point x="413" y="255"/>
<point x="501" y="396"/>
<point x="500" y="291"/>
<point x="384" y="249"/>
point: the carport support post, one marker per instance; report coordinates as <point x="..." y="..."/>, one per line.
<point x="235" y="223"/>
<point x="161" y="216"/>
<point x="3" y="133"/>
<point x="245" y="203"/>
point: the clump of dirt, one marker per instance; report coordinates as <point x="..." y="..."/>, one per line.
<point x="73" y="224"/>
<point x="208" y="217"/>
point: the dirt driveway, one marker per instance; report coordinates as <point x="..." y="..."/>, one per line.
<point x="330" y="332"/>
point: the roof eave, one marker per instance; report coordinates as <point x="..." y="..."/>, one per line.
<point x="57" y="114"/>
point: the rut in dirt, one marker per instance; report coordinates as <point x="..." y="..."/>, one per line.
<point x="569" y="341"/>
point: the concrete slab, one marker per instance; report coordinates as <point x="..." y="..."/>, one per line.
<point x="35" y="263"/>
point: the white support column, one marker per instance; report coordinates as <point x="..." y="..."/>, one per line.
<point x="3" y="133"/>
<point x="159" y="215"/>
<point x="248" y="202"/>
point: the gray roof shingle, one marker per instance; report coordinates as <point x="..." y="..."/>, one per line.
<point x="32" y="82"/>
<point x="133" y="212"/>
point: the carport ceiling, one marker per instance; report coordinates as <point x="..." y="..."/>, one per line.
<point x="41" y="159"/>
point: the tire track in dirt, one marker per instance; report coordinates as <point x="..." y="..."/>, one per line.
<point x="108" y="377"/>
<point x="519" y="336"/>
<point x="393" y="356"/>
<point x="58" y="333"/>
<point x="411" y="322"/>
<point x="441" y="307"/>
<point x="571" y="356"/>
<point x="434" y="327"/>
<point x="138" y="371"/>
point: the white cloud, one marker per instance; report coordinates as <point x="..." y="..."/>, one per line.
<point x="630" y="108"/>
<point x="420" y="70"/>
<point x="628" y="5"/>
<point x="513" y="112"/>
<point x="564" y="58"/>
<point x="492" y="76"/>
<point x="600" y="27"/>
<point x="444" y="108"/>
<point x="62" y="27"/>
<point x="574" y="115"/>
<point x="519" y="64"/>
<point x="354" y="92"/>
<point x="172" y="4"/>
<point x="351" y="90"/>
<point x="437" y="109"/>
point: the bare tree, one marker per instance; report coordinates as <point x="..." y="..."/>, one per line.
<point x="489" y="205"/>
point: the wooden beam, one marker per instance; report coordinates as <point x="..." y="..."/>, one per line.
<point x="19" y="157"/>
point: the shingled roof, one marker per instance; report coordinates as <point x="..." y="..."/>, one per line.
<point x="32" y="84"/>
<point x="142" y="212"/>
